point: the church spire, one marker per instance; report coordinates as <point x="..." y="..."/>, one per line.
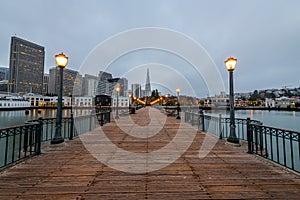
<point x="148" y="86"/>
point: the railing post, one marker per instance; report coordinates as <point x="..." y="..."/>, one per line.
<point x="220" y="126"/>
<point x="25" y="143"/>
<point x="71" y="127"/>
<point x="38" y="136"/>
<point x="91" y="117"/>
<point x="202" y="119"/>
<point x="108" y="114"/>
<point x="249" y="136"/>
<point x="192" y="121"/>
<point x="101" y="118"/>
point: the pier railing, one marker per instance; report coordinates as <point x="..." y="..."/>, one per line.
<point x="19" y="142"/>
<point x="279" y="145"/>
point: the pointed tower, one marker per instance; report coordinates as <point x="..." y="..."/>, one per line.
<point x="148" y="86"/>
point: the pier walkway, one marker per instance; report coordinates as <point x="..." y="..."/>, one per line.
<point x="92" y="167"/>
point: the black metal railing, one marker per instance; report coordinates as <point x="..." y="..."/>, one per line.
<point x="19" y="142"/>
<point x="279" y="145"/>
<point x="218" y="125"/>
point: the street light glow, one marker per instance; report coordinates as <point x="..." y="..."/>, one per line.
<point x="230" y="63"/>
<point x="61" y="60"/>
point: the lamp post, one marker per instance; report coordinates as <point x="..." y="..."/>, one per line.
<point x="230" y="64"/>
<point x="178" y="105"/>
<point x="117" y="108"/>
<point x="61" y="62"/>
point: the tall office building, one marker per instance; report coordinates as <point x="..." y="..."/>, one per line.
<point x="3" y="82"/>
<point x="72" y="82"/>
<point x="45" y="83"/>
<point x="136" y="90"/>
<point x="26" y="66"/>
<point x="5" y="70"/>
<point x="52" y="82"/>
<point x="148" y="85"/>
<point x="104" y="86"/>
<point x="2" y="75"/>
<point x="123" y="82"/>
<point x="89" y="85"/>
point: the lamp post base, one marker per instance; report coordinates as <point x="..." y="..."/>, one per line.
<point x="233" y="141"/>
<point x="57" y="140"/>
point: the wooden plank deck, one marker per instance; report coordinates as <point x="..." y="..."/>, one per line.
<point x="69" y="171"/>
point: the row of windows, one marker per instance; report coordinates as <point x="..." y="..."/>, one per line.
<point x="13" y="104"/>
<point x="121" y="99"/>
<point x="120" y="104"/>
<point x="83" y="100"/>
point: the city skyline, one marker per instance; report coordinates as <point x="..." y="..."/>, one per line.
<point x="263" y="36"/>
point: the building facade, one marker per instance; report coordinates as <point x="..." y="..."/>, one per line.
<point x="2" y="76"/>
<point x="136" y="90"/>
<point x="26" y="66"/>
<point x="122" y="101"/>
<point x="123" y="83"/>
<point x="89" y="85"/>
<point x="45" y="83"/>
<point x="5" y="71"/>
<point x="103" y="87"/>
<point x="72" y="82"/>
<point x="52" y="78"/>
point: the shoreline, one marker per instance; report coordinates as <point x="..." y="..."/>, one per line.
<point x="43" y="107"/>
<point x="250" y="108"/>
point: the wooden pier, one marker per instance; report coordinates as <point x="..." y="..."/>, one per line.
<point x="69" y="171"/>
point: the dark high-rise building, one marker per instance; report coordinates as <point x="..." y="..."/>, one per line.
<point x="104" y="86"/>
<point x="52" y="78"/>
<point x="45" y="83"/>
<point x="123" y="82"/>
<point x="4" y="70"/>
<point x="26" y="66"/>
<point x="89" y="85"/>
<point x="136" y="90"/>
<point x="72" y="82"/>
<point x="107" y="84"/>
<point x="2" y="76"/>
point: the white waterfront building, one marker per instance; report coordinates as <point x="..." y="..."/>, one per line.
<point x="82" y="101"/>
<point x="123" y="101"/>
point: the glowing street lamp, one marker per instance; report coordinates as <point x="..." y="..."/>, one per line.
<point x="117" y="108"/>
<point x="230" y="64"/>
<point x="178" y="105"/>
<point x="177" y="92"/>
<point x="61" y="62"/>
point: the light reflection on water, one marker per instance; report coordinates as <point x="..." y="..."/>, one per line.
<point x="18" y="117"/>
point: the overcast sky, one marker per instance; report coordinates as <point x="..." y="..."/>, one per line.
<point x="263" y="35"/>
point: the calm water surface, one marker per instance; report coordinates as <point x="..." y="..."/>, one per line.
<point x="18" y="117"/>
<point x="280" y="119"/>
